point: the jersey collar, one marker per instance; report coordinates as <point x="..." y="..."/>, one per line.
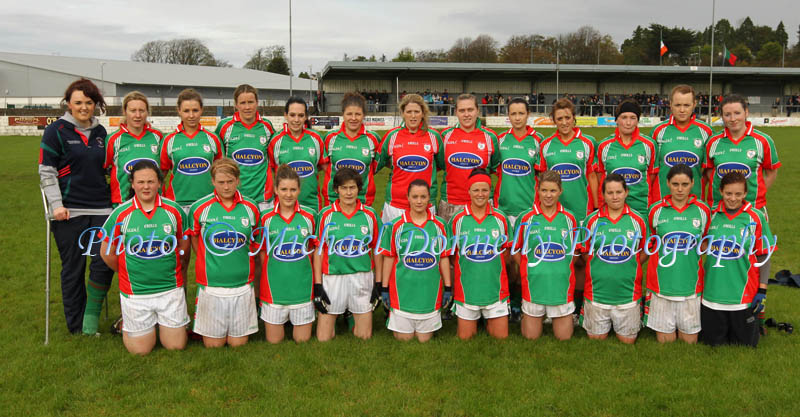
<point x="690" y="201"/>
<point x="337" y="206"/>
<point x="183" y="131"/>
<point x="634" y="137"/>
<point x="747" y="132"/>
<point x="124" y="127"/>
<point x="529" y="131"/>
<point x="478" y="125"/>
<point x="407" y="217"/>
<point x="721" y="209"/>
<point x="237" y="198"/>
<point x="343" y="130"/>
<point x="604" y="213"/>
<point x="289" y="133"/>
<point x="138" y="205"/>
<point x="672" y="122"/>
<point x="537" y="209"/>
<point x="489" y="212"/>
<point x="567" y="142"/>
<point x="238" y="118"/>
<point x="277" y="210"/>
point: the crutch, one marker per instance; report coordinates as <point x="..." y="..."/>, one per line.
<point x="47" y="218"/>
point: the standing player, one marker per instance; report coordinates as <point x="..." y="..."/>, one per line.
<point x="301" y="149"/>
<point x="675" y="274"/>
<point x="735" y="287"/>
<point x="466" y="146"/>
<point x="245" y="137"/>
<point x="144" y="239"/>
<point x="343" y="268"/>
<point x="354" y="147"/>
<point x="221" y="225"/>
<point x="545" y="261"/>
<point x="480" y="236"/>
<point x="409" y="152"/>
<point x="287" y="275"/>
<point x="188" y="152"/>
<point x="629" y="154"/>
<point x="613" y="255"/>
<point x="134" y="141"/>
<point x="412" y="283"/>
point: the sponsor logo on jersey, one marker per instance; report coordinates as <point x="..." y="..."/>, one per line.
<point x="228" y="240"/>
<point x="480" y="252"/>
<point x="516" y="167"/>
<point x="290" y="252"/>
<point x="681" y="157"/>
<point x="727" y="167"/>
<point x="412" y="163"/>
<point x="419" y="262"/>
<point x="248" y="156"/>
<point x="632" y="176"/>
<point x="465" y="160"/>
<point x="615" y="254"/>
<point x="568" y="172"/>
<point x="193" y="165"/>
<point x="348" y="248"/>
<point x="152" y="249"/>
<point x="302" y="168"/>
<point x="679" y="240"/>
<point x="133" y="162"/>
<point x="353" y="164"/>
<point x="730" y="249"/>
<point x="549" y="252"/>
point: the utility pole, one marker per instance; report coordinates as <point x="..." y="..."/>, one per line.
<point x="711" y="62"/>
<point x="290" y="48"/>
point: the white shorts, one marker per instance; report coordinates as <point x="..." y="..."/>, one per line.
<point x="512" y="220"/>
<point x="391" y="212"/>
<point x="266" y="205"/>
<point x="447" y="211"/>
<point x="402" y="322"/>
<point x="298" y="314"/>
<point x="349" y="292"/>
<point x="492" y="311"/>
<point x="665" y="315"/>
<point x="222" y="312"/>
<point x="141" y="313"/>
<point x="186" y="209"/>
<point x="541" y="310"/>
<point x="627" y="321"/>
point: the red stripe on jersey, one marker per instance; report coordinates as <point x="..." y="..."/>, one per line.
<point x="195" y="229"/>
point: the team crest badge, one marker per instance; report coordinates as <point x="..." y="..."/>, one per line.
<point x="245" y="222"/>
<point x="495" y="233"/>
<point x="427" y="147"/>
<point x="751" y="153"/>
<point x="630" y="234"/>
<point x="304" y="231"/>
<point x="154" y="148"/>
<point x="263" y="140"/>
<point x="365" y="152"/>
<point x="564" y="233"/>
<point x="532" y="153"/>
<point x="698" y="143"/>
<point x="481" y="146"/>
<point x="641" y="159"/>
<point x="312" y="151"/>
<point x="207" y="148"/>
<point x="167" y="228"/>
<point x="696" y="222"/>
<point x="579" y="154"/>
<point x="364" y="230"/>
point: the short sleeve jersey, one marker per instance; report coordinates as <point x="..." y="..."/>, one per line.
<point x="573" y="160"/>
<point x="123" y="151"/>
<point x="347" y="239"/>
<point x="415" y="284"/>
<point x="357" y="153"/>
<point x="675" y="270"/>
<point x="750" y="155"/>
<point x="613" y="272"/>
<point x="146" y="243"/>
<point x="516" y="176"/>
<point x="546" y="249"/>
<point x="633" y="162"/>
<point x="409" y="156"/>
<point x="286" y="273"/>
<point x="478" y="247"/>
<point x="461" y="153"/>
<point x="188" y="159"/>
<point x="679" y="146"/>
<point x="305" y="155"/>
<point x="733" y="284"/>
<point x="224" y="236"/>
<point x="247" y="145"/>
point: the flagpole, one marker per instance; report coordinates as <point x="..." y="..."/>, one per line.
<point x="711" y="63"/>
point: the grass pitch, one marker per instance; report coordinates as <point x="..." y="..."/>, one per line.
<point x="84" y="375"/>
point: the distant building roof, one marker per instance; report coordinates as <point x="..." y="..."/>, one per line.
<point x="130" y="72"/>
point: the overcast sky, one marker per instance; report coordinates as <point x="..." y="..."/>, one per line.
<point x="323" y="30"/>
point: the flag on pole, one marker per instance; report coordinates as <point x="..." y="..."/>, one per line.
<point x="731" y="58"/>
<point x="663" y="48"/>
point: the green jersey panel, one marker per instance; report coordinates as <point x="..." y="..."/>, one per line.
<point x="516" y="176"/>
<point x="189" y="159"/>
<point x="247" y="145"/>
<point x="347" y="240"/>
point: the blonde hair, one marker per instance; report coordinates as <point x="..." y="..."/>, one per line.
<point x="550" y="176"/>
<point x="134" y="96"/>
<point x="225" y="166"/>
<point x="418" y="100"/>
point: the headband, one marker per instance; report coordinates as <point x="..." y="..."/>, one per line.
<point x="478" y="178"/>
<point x="629" y="107"/>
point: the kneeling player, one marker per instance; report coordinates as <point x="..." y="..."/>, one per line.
<point x="412" y="285"/>
<point x="221" y="225"/>
<point x="545" y="259"/>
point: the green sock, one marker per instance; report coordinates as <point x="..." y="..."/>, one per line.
<point x="94" y="305"/>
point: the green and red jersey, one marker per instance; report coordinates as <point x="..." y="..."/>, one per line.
<point x="573" y="160"/>
<point x="516" y="175"/>
<point x="188" y="159"/>
<point x="305" y="155"/>
<point x="409" y="156"/>
<point x="147" y="245"/>
<point x="415" y="284"/>
<point x="357" y="153"/>
<point x="680" y="231"/>
<point x="613" y="271"/>
<point x="479" y="249"/>
<point x="224" y="240"/>
<point x="347" y="240"/>
<point x="123" y="151"/>
<point x="287" y="272"/>
<point x="247" y="145"/>
<point x="461" y="153"/>
<point x="733" y="284"/>
<point x="679" y="146"/>
<point x="750" y="155"/>
<point x="634" y="162"/>
<point x="546" y="249"/>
